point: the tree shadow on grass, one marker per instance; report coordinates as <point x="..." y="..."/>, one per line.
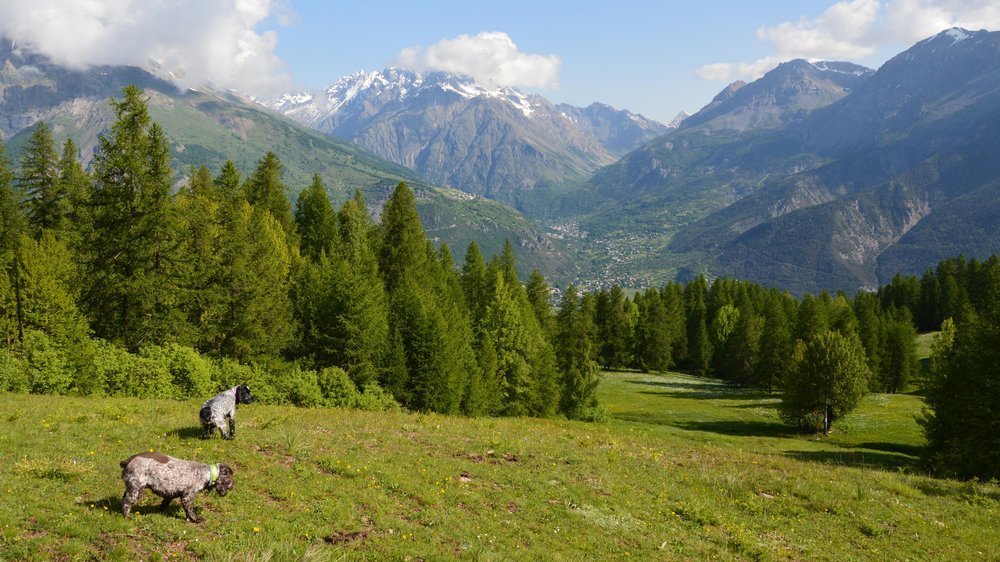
<point x="849" y="457"/>
<point x="708" y="390"/>
<point x="902" y="448"/>
<point x="739" y="428"/>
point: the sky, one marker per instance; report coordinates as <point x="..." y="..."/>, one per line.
<point x="652" y="57"/>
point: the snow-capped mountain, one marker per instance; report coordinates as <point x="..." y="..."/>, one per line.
<point x="486" y="140"/>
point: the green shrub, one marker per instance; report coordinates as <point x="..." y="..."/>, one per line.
<point x="13" y="372"/>
<point x="374" y="398"/>
<point x="124" y="374"/>
<point x="300" y="387"/>
<point x="230" y="373"/>
<point x="337" y="388"/>
<point x="49" y="372"/>
<point x="190" y="373"/>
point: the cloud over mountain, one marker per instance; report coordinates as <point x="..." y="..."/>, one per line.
<point x="490" y="57"/>
<point x="197" y="41"/>
<point x="853" y="29"/>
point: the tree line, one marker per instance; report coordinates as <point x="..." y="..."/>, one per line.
<point x="118" y="282"/>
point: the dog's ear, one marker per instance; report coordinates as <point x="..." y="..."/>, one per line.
<point x="225" y="481"/>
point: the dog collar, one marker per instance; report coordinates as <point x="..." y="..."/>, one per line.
<point x="215" y="474"/>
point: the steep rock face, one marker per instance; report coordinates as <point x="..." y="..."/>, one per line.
<point x="496" y="142"/>
<point x="789" y="92"/>
<point x="823" y="175"/>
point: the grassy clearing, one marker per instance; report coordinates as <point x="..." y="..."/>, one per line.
<point x="686" y="469"/>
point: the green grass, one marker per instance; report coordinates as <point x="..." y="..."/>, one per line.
<point x="684" y="469"/>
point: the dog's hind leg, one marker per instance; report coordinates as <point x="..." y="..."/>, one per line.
<point x="165" y="503"/>
<point x="129" y="499"/>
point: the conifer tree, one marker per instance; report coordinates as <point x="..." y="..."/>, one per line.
<point x="699" y="347"/>
<point x="899" y="354"/>
<point x="539" y="296"/>
<point x="652" y="333"/>
<point x="265" y="190"/>
<point x="776" y="346"/>
<point x="131" y="297"/>
<point x="613" y="327"/>
<point x="39" y="180"/>
<point x="964" y="400"/>
<point x="315" y="219"/>
<point x="75" y="187"/>
<point x="252" y="320"/>
<point x="579" y="373"/>
<point x="229" y="182"/>
<point x="403" y="252"/>
<point x="474" y="282"/>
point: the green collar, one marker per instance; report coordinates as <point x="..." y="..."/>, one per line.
<point x="215" y="474"/>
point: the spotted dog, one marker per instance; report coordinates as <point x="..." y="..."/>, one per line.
<point x="219" y="412"/>
<point x="172" y="478"/>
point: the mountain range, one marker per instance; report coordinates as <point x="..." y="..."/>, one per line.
<point x="208" y="127"/>
<point x="499" y="142"/>
<point x="817" y="175"/>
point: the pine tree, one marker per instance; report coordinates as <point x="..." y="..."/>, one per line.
<point x="579" y="373"/>
<point x="699" y="347"/>
<point x="403" y="253"/>
<point x="899" y="354"/>
<point x="39" y="180"/>
<point x="474" y="283"/>
<point x="265" y="190"/>
<point x="964" y="400"/>
<point x="229" y="182"/>
<point x="131" y="297"/>
<point x="776" y="347"/>
<point x="613" y="328"/>
<point x="652" y="333"/>
<point x="316" y="220"/>
<point x="74" y="185"/>
<point x="539" y="296"/>
<point x="252" y="320"/>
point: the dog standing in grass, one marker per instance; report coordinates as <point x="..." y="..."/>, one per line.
<point x="219" y="412"/>
<point x="172" y="478"/>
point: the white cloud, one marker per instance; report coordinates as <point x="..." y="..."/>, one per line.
<point x="203" y="42"/>
<point x="490" y="57"/>
<point x="854" y="29"/>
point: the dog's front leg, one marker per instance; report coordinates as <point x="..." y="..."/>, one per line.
<point x="188" y="503"/>
<point x="232" y="426"/>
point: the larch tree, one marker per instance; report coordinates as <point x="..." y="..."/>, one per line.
<point x="131" y="296"/>
<point x="316" y="220"/>
<point x="38" y="180"/>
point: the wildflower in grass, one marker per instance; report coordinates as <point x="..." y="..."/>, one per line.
<point x="256" y="529"/>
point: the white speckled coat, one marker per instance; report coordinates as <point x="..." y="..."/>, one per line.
<point x="170" y="478"/>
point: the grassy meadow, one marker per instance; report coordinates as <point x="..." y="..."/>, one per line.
<point x="684" y="468"/>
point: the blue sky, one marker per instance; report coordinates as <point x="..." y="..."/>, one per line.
<point x="652" y="57"/>
<point x="640" y="55"/>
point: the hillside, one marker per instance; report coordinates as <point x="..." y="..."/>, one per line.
<point x="685" y="469"/>
<point x="207" y="128"/>
<point x="498" y="142"/>
<point x="819" y="175"/>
